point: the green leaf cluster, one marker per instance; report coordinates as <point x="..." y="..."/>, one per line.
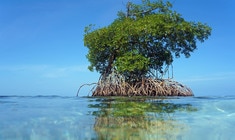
<point x="131" y="64"/>
<point x="146" y="37"/>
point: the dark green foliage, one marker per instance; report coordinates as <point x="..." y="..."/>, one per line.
<point x="143" y="39"/>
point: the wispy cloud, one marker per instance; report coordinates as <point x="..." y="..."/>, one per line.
<point x="55" y="72"/>
<point x="23" y="68"/>
<point x="46" y="71"/>
<point x="210" y="77"/>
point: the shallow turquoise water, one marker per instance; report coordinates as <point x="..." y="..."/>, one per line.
<point x="78" y="118"/>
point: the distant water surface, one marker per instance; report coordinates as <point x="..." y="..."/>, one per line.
<point x="73" y="118"/>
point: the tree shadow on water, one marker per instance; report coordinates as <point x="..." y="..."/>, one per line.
<point x="138" y="118"/>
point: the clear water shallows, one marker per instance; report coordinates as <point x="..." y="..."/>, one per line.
<point x="149" y="118"/>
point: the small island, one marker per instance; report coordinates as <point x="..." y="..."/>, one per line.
<point x="137" y="50"/>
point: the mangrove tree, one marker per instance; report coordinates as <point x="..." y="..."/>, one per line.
<point x="133" y="53"/>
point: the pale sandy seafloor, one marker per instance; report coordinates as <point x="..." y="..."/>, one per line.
<point x="72" y="118"/>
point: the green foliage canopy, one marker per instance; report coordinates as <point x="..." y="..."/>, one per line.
<point x="145" y="38"/>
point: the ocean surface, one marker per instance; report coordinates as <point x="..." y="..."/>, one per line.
<point x="114" y="118"/>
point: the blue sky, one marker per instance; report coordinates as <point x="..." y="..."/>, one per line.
<point x="42" y="50"/>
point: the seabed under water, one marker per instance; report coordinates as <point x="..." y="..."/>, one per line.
<point x="72" y="118"/>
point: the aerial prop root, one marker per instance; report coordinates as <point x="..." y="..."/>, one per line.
<point x="115" y="85"/>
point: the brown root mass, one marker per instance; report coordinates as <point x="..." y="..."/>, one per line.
<point x="147" y="87"/>
<point x="115" y="85"/>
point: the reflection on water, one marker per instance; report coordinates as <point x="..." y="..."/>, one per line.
<point x="70" y="118"/>
<point x="138" y="118"/>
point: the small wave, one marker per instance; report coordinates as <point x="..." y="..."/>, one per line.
<point x="206" y="97"/>
<point x="232" y="114"/>
<point x="219" y="109"/>
<point x="216" y="97"/>
<point x="36" y="96"/>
